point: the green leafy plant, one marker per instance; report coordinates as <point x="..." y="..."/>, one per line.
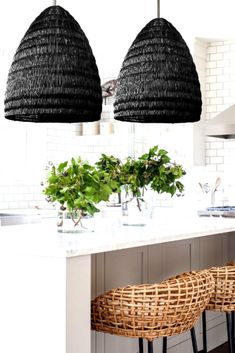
<point x="110" y="169"/>
<point x="77" y="186"/>
<point x="153" y="170"/>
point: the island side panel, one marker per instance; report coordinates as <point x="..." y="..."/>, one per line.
<point x="78" y="297"/>
<point x="32" y="304"/>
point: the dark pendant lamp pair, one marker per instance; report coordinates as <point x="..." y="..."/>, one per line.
<point x="54" y="77"/>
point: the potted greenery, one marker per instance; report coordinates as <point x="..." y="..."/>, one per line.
<point x="77" y="187"/>
<point x="153" y="170"/>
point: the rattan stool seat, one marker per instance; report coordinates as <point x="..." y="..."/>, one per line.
<point x="222" y="300"/>
<point x="153" y="310"/>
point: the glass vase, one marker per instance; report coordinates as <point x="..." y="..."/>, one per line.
<point x="135" y="211"/>
<point x="73" y="222"/>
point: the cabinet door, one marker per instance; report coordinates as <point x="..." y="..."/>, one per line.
<point x="213" y="250"/>
<point x="166" y="260"/>
<point x="231" y="246"/>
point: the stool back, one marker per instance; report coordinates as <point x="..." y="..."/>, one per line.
<point x="153" y="310"/>
<point x="223" y="298"/>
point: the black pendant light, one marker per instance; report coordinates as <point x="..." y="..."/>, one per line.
<point x="54" y="77"/>
<point x="158" y="82"/>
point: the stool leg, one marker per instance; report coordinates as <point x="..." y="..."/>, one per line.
<point x="141" y="346"/>
<point x="164" y="346"/>
<point x="194" y="341"/>
<point x="229" y="331"/>
<point x="150" y="346"/>
<point x="233" y="317"/>
<point x="204" y="337"/>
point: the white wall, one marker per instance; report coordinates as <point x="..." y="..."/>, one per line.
<point x="220" y="94"/>
<point x="201" y="18"/>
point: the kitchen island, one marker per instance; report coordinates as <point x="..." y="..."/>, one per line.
<point x="48" y="279"/>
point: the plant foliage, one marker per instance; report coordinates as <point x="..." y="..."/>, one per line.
<point x="79" y="186"/>
<point x="153" y="169"/>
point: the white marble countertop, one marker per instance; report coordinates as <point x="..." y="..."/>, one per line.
<point x="42" y="239"/>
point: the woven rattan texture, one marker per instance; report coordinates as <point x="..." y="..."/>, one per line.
<point x="230" y="263"/>
<point x="53" y="77"/>
<point x="158" y="81"/>
<point x="223" y="298"/>
<point x="153" y="310"/>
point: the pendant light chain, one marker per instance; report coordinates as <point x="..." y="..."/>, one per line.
<point x="53" y="2"/>
<point x="158" y="8"/>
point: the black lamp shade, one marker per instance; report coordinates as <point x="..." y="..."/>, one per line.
<point x="158" y="82"/>
<point x="54" y="77"/>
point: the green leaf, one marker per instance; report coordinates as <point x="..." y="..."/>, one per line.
<point x="62" y="166"/>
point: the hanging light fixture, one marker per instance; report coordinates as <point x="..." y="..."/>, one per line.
<point x="54" y="77"/>
<point x="158" y="82"/>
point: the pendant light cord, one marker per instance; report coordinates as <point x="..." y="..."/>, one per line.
<point x="158" y="8"/>
<point x="53" y="2"/>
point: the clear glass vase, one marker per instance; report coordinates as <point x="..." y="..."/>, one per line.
<point x="73" y="222"/>
<point x="135" y="211"/>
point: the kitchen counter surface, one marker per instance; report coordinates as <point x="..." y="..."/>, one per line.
<point x="42" y="239"/>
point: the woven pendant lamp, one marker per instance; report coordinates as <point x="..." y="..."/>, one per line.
<point x="54" y="77"/>
<point x="158" y="82"/>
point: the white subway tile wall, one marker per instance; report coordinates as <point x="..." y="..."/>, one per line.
<point x="220" y="94"/>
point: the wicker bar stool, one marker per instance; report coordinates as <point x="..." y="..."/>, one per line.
<point x="232" y="263"/>
<point x="222" y="300"/>
<point x="154" y="310"/>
